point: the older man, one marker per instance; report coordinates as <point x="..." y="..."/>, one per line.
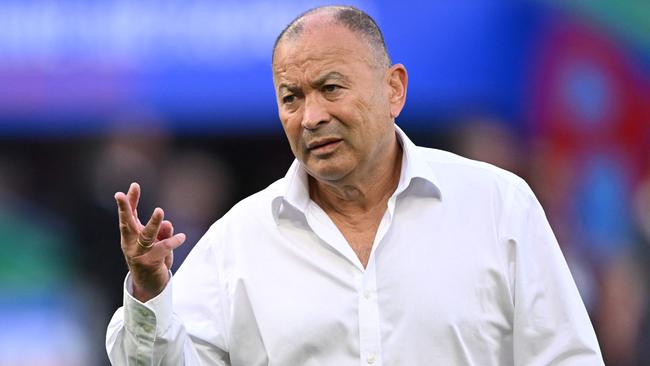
<point x="369" y="251"/>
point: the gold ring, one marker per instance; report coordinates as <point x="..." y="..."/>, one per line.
<point x="142" y="245"/>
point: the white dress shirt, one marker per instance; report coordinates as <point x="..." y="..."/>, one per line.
<point x="464" y="270"/>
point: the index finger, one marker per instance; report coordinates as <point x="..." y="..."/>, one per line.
<point x="125" y="214"/>
<point x="134" y="196"/>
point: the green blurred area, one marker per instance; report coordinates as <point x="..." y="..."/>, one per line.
<point x="627" y="18"/>
<point x="34" y="254"/>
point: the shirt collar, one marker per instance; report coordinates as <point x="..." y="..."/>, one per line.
<point x="415" y="168"/>
<point x="416" y="175"/>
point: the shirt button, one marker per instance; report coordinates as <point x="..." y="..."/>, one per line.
<point x="366" y="294"/>
<point x="370" y="359"/>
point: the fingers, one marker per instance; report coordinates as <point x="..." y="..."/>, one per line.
<point x="133" y="196"/>
<point x="143" y="238"/>
<point x="127" y="221"/>
<point x="164" y="247"/>
<point x="150" y="231"/>
<point x="166" y="230"/>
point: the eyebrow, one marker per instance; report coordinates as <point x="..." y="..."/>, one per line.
<point x="332" y="75"/>
<point x="288" y="86"/>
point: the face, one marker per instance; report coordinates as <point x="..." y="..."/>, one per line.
<point x="336" y="104"/>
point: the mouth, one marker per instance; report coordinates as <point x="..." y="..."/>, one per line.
<point x="323" y="146"/>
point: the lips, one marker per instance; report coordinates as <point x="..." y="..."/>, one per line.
<point x="324" y="145"/>
<point x="321" y="142"/>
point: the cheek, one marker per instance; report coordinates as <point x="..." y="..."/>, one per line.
<point x="364" y="115"/>
<point x="292" y="129"/>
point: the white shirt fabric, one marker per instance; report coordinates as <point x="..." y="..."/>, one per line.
<point x="464" y="270"/>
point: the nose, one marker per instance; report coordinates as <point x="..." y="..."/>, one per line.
<point x="315" y="112"/>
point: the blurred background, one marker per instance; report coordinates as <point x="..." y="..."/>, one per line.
<point x="178" y="96"/>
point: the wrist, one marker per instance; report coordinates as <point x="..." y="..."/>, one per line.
<point x="144" y="293"/>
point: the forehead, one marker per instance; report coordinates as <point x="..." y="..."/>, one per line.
<point x="320" y="47"/>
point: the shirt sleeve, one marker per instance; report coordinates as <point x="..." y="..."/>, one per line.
<point x="551" y="325"/>
<point x="157" y="333"/>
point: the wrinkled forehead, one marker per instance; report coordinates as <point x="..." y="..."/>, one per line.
<point x="317" y="49"/>
<point x="298" y="64"/>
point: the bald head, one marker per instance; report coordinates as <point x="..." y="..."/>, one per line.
<point x="349" y="17"/>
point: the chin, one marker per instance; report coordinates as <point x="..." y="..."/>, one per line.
<point x="330" y="173"/>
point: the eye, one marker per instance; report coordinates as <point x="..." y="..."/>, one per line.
<point x="288" y="99"/>
<point x="330" y="88"/>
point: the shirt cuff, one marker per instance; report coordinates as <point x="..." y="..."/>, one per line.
<point x="151" y="319"/>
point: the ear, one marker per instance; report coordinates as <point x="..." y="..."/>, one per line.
<point x="397" y="83"/>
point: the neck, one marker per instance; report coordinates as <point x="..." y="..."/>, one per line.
<point x="362" y="192"/>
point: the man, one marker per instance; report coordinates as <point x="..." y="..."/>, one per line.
<point x="369" y="251"/>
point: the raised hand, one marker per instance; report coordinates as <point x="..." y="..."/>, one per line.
<point x="147" y="248"/>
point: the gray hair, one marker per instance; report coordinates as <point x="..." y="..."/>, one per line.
<point x="351" y="18"/>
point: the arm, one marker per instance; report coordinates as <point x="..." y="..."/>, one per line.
<point x="151" y="334"/>
<point x="551" y="324"/>
<point x="146" y="330"/>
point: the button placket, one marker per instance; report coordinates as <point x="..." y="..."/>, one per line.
<point x="369" y="326"/>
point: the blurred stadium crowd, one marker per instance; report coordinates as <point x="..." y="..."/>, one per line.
<point x="580" y="136"/>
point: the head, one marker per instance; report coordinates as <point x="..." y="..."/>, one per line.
<point x="338" y="94"/>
